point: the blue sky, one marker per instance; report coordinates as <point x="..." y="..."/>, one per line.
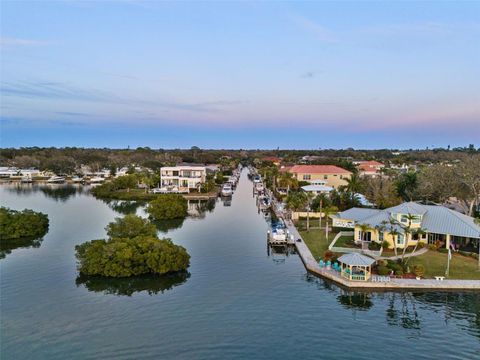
<point x="240" y="74"/>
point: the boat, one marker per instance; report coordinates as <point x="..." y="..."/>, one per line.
<point x="26" y="179"/>
<point x="97" y="180"/>
<point x="259" y="187"/>
<point x="227" y="190"/>
<point x="56" y="180"/>
<point x="77" y="179"/>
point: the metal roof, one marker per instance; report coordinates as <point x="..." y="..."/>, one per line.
<point x="355" y="259"/>
<point x="358" y="214"/>
<point x="317" y="188"/>
<point x="435" y="218"/>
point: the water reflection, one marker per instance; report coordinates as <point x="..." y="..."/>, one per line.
<point x="353" y="300"/>
<point x="402" y="311"/>
<point x="56" y="192"/>
<point x="167" y="225"/>
<point x="6" y="246"/>
<point x="150" y="284"/>
<point x="199" y="208"/>
<point x="124" y="207"/>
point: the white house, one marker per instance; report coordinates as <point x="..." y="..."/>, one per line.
<point x="183" y="177"/>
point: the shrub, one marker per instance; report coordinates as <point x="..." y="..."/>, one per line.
<point x="443" y="250"/>
<point x="464" y="253"/>
<point x="168" y="206"/>
<point x="420" y="245"/>
<point x="382" y="262"/>
<point x="328" y="255"/>
<point x="432" y="247"/>
<point x="138" y="251"/>
<point x="374" y="246"/>
<point x="419" y="270"/>
<point x="386" y="244"/>
<point x="130" y="256"/>
<point x="130" y="226"/>
<point x="395" y="267"/>
<point x="399" y="272"/>
<point x="383" y="270"/>
<point x="21" y="224"/>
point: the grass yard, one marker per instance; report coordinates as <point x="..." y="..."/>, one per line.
<point x="316" y="241"/>
<point x="435" y="263"/>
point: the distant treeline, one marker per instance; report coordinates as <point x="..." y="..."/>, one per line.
<point x="68" y="160"/>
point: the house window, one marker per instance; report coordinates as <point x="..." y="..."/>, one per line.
<point x="307" y="177"/>
<point x="341" y="176"/>
<point x="400" y="239"/>
<point x="325" y="177"/>
<point x="404" y="219"/>
<point x="380" y="236"/>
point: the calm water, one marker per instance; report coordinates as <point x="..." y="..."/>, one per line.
<point x="235" y="303"/>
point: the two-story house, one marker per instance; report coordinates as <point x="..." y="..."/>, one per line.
<point x="330" y="175"/>
<point x="183" y="177"/>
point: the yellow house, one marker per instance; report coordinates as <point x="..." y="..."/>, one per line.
<point x="329" y="175"/>
<point x="411" y="222"/>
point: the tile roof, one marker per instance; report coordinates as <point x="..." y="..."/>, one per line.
<point x="318" y="169"/>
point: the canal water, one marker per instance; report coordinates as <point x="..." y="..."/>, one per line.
<point x="236" y="302"/>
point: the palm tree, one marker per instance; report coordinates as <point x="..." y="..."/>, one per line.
<point x="309" y="197"/>
<point x="364" y="229"/>
<point x="329" y="211"/>
<point x="323" y="199"/>
<point x="288" y="181"/>
<point x="354" y="185"/>
<point x="416" y="232"/>
<point x="408" y="231"/>
<point x="296" y="201"/>
<point x="392" y="230"/>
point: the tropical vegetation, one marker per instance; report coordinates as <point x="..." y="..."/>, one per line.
<point x="168" y="206"/>
<point x="138" y="251"/>
<point x="22" y="224"/>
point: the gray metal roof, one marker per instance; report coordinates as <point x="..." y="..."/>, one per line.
<point x="441" y="220"/>
<point x="408" y="208"/>
<point x="435" y="218"/>
<point x="355" y="259"/>
<point x="358" y="214"/>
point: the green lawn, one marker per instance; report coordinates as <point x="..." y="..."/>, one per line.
<point x="316" y="241"/>
<point x="435" y="263"/>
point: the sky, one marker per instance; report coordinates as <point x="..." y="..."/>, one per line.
<point x="304" y="75"/>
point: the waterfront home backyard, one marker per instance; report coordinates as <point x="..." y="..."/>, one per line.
<point x="433" y="261"/>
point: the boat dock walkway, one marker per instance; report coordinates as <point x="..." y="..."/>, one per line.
<point x="313" y="267"/>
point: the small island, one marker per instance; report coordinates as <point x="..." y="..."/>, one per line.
<point x="133" y="248"/>
<point x="22" y="224"/>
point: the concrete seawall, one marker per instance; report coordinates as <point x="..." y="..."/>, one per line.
<point x="394" y="284"/>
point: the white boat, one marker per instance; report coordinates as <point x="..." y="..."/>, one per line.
<point x="227" y="190"/>
<point x="56" y="180"/>
<point x="77" y="179"/>
<point x="26" y="179"/>
<point x="259" y="187"/>
<point x="97" y="180"/>
<point x="159" y="191"/>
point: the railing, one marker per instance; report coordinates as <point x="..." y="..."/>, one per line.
<point x="354" y="277"/>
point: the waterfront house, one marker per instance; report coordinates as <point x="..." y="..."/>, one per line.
<point x="402" y="223"/>
<point x="183" y="177"/>
<point x="333" y="176"/>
